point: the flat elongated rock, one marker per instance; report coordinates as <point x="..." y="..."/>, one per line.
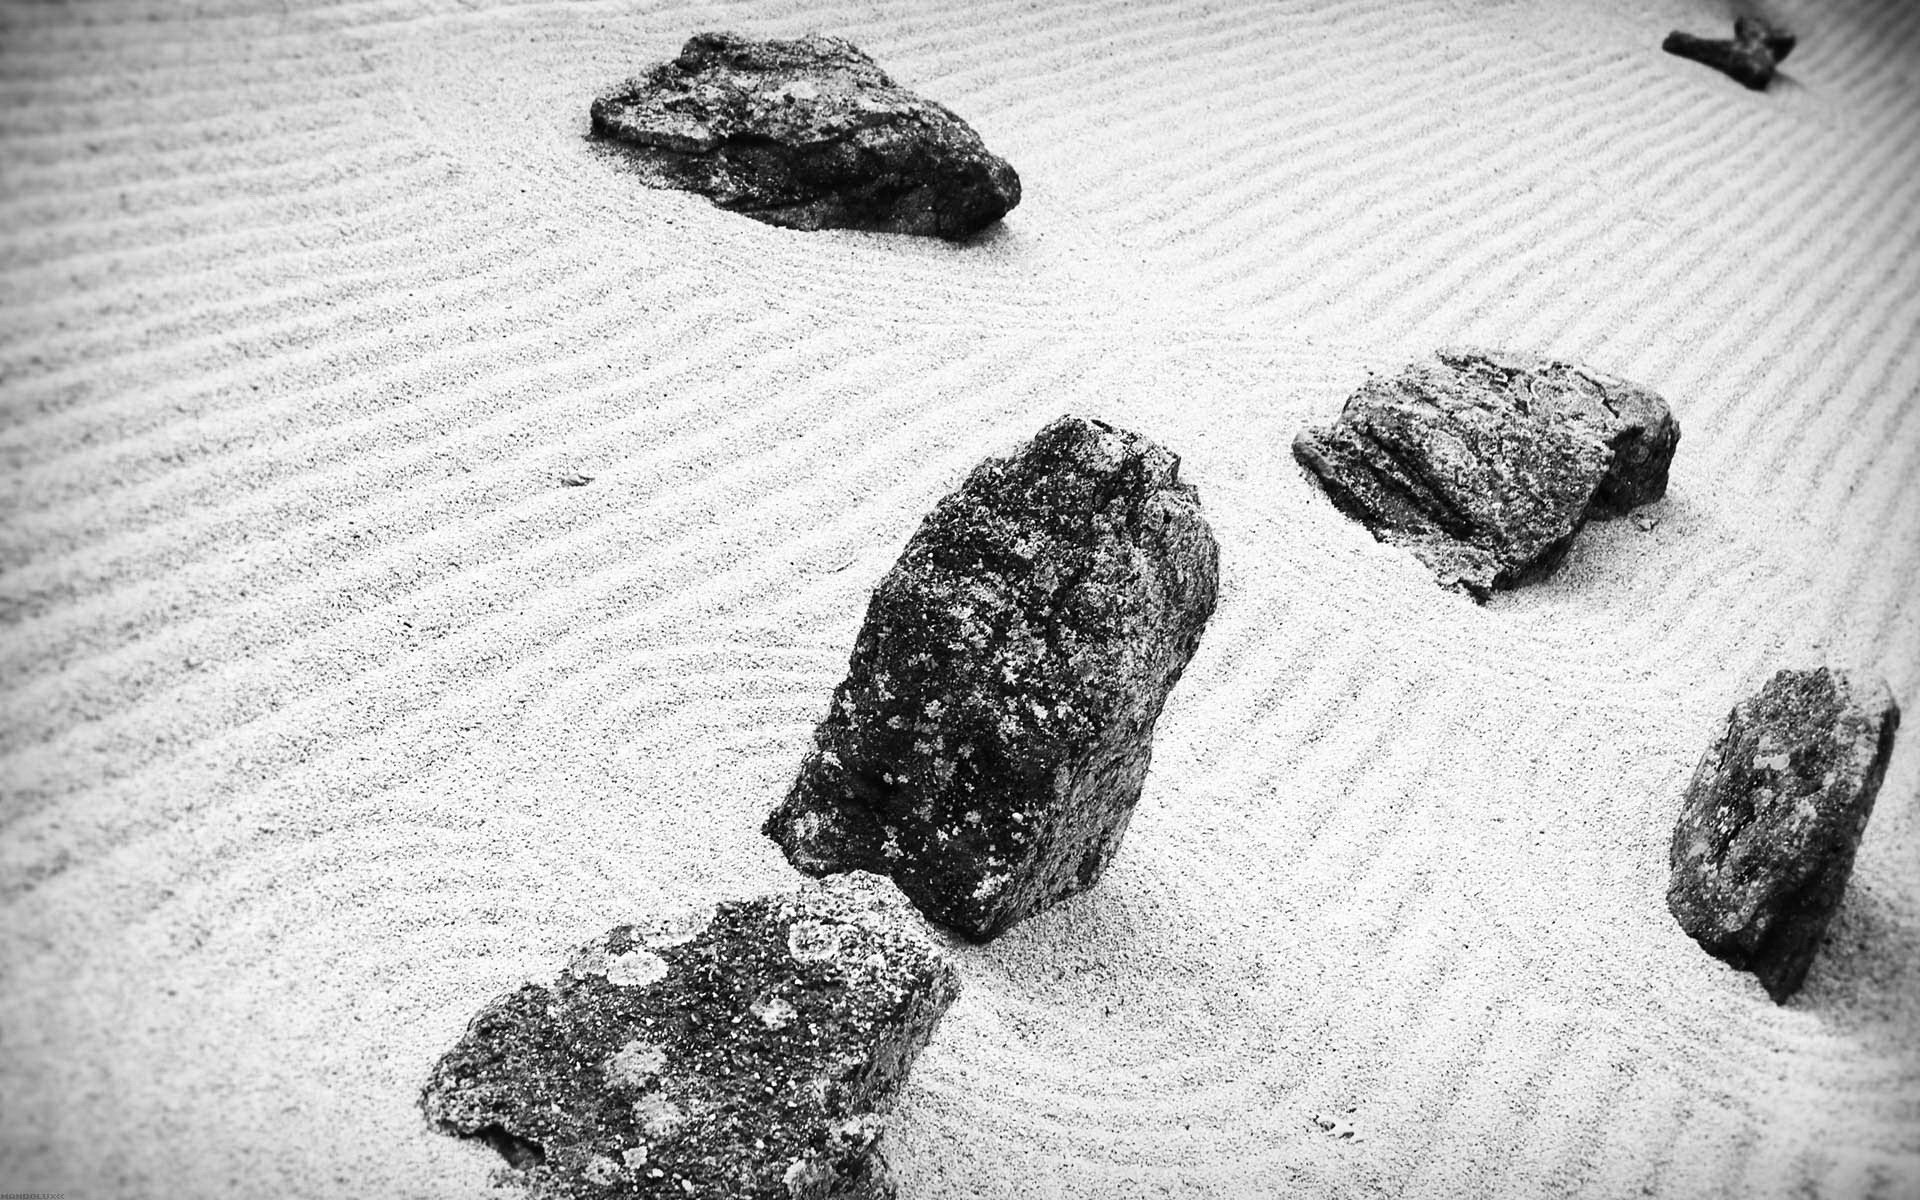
<point x="1756" y="50"/>
<point x="1766" y="837"/>
<point x="989" y="742"/>
<point x="809" y="134"/>
<point x="741" y="1053"/>
<point x="1485" y="464"/>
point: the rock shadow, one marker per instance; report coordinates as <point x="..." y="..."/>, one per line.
<point x="1867" y="977"/>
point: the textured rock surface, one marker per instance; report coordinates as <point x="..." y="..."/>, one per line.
<point x="809" y="134"/>
<point x="991" y="737"/>
<point x="1486" y="464"/>
<point x="1751" y="57"/>
<point x="743" y="1052"/>
<point x="1766" y="838"/>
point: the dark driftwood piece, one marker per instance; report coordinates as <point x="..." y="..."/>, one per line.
<point x="1751" y="57"/>
<point x="990" y="739"/>
<point x="740" y="1054"/>
<point x="1765" y="842"/>
<point x="809" y="134"/>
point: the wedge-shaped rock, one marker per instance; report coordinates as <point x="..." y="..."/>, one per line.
<point x="1486" y="464"/>
<point x="741" y="1053"/>
<point x="1756" y="50"/>
<point x="990" y="739"/>
<point x="1766" y="837"/>
<point x="809" y="134"/>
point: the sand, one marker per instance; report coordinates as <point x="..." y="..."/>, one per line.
<point x="329" y="713"/>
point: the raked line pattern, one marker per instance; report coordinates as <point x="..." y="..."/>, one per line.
<point x="326" y="712"/>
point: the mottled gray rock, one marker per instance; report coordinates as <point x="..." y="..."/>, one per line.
<point x="1766" y="837"/>
<point x="808" y="134"/>
<point x="990" y="739"/>
<point x="743" y="1052"/>
<point x="1751" y="57"/>
<point x="1485" y="464"/>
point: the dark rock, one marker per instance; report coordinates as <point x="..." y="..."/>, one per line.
<point x="989" y="742"/>
<point x="1756" y="50"/>
<point x="1485" y="464"/>
<point x="1766" y="837"/>
<point x="742" y="1052"/>
<point x="808" y="134"/>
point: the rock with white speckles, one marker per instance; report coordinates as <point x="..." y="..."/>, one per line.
<point x="809" y="134"/>
<point x="989" y="742"/>
<point x="744" y="1055"/>
<point x="1486" y="464"/>
<point x="1766" y="837"/>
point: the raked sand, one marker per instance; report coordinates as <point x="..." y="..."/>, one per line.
<point x="329" y="713"/>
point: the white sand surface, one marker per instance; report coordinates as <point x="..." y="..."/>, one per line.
<point x="329" y="714"/>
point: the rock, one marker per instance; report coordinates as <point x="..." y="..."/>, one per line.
<point x="808" y="134"/>
<point x="1756" y="50"/>
<point x="990" y="739"/>
<point x="742" y="1052"/>
<point x="1766" y="837"/>
<point x="1486" y="464"/>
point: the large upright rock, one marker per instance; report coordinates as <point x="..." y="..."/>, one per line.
<point x="1756" y="50"/>
<point x="740" y="1054"/>
<point x="809" y="134"/>
<point x="1485" y="464"/>
<point x="989" y="742"/>
<point x="1767" y="834"/>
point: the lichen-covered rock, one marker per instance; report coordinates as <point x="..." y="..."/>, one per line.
<point x="744" y="1052"/>
<point x="1756" y="50"/>
<point x="808" y="134"/>
<point x="1766" y="837"/>
<point x="1485" y="464"/>
<point x="990" y="739"/>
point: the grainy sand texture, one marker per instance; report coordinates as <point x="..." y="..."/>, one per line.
<point x="330" y="713"/>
